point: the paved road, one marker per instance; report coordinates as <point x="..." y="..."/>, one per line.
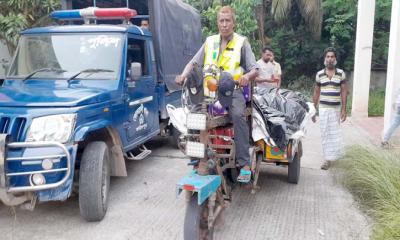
<point x="143" y="205"/>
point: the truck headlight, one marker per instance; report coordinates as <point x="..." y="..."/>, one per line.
<point x="196" y="121"/>
<point x="51" y="128"/>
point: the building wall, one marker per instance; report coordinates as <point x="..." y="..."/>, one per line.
<point x="378" y="79"/>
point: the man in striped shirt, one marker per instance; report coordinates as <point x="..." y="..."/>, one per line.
<point x="330" y="94"/>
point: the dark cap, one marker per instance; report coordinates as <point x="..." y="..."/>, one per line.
<point x="225" y="89"/>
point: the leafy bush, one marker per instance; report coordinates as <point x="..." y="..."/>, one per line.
<point x="16" y="16"/>
<point x="246" y="23"/>
<point x="299" y="55"/>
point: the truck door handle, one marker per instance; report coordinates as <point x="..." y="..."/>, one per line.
<point x="141" y="101"/>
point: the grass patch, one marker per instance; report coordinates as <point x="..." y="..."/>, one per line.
<point x="376" y="102"/>
<point x="373" y="176"/>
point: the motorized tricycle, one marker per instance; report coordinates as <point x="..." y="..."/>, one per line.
<point x="208" y="139"/>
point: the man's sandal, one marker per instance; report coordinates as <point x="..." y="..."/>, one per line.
<point x="244" y="176"/>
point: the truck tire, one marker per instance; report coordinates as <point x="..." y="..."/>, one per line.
<point x="294" y="169"/>
<point x="94" y="181"/>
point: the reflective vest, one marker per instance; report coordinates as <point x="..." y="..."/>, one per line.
<point x="230" y="57"/>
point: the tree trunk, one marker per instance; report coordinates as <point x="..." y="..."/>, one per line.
<point x="260" y="15"/>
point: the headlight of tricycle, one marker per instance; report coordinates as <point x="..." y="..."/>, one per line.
<point x="196" y="121"/>
<point x="195" y="149"/>
<point x="51" y="128"/>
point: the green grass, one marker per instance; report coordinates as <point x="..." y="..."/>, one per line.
<point x="376" y="102"/>
<point x="373" y="176"/>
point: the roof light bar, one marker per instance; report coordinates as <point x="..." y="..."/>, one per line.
<point x="94" y="13"/>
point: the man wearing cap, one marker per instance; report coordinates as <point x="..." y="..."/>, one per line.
<point x="232" y="52"/>
<point x="330" y="95"/>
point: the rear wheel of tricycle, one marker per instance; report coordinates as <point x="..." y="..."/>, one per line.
<point x="196" y="221"/>
<point x="256" y="171"/>
<point x="94" y="181"/>
<point x="294" y="169"/>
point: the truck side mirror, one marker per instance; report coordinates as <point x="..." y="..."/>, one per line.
<point x="136" y="71"/>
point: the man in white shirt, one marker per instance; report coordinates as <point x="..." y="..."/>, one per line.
<point x="268" y="75"/>
<point x="278" y="70"/>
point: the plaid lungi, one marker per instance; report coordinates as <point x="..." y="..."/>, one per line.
<point x="331" y="135"/>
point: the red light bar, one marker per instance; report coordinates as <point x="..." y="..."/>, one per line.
<point x="188" y="187"/>
<point x="115" y="12"/>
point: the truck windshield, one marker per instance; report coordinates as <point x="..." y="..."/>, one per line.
<point x="72" y="53"/>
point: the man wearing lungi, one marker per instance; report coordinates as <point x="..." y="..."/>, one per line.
<point x="330" y="95"/>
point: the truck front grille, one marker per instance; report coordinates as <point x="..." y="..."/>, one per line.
<point x="13" y="126"/>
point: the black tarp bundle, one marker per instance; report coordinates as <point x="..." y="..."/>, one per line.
<point x="176" y="29"/>
<point x="283" y="112"/>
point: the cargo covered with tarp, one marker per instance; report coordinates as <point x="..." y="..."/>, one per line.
<point x="176" y="29"/>
<point x="282" y="111"/>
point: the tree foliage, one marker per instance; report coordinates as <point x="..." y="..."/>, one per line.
<point x="17" y="15"/>
<point x="246" y="23"/>
<point x="288" y="30"/>
<point x="341" y="23"/>
<point x="339" y="28"/>
<point x="310" y="11"/>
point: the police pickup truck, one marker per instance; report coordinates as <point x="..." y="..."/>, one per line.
<point x="80" y="96"/>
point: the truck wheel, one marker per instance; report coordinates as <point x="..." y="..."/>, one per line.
<point x="175" y="134"/>
<point x="196" y="221"/>
<point x="94" y="181"/>
<point x="294" y="169"/>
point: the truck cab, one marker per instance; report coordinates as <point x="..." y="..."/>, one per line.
<point x="76" y="101"/>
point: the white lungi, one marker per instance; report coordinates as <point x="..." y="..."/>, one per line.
<point x="331" y="134"/>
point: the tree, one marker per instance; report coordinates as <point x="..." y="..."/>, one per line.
<point x="299" y="31"/>
<point x="16" y="15"/>
<point x="340" y="29"/>
<point x="340" y="17"/>
<point x="310" y="11"/>
<point x="246" y="19"/>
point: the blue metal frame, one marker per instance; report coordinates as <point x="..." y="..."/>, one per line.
<point x="205" y="186"/>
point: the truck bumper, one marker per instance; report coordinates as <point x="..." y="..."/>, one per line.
<point x="42" y="169"/>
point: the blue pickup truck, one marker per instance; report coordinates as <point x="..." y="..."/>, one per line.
<point x="81" y="96"/>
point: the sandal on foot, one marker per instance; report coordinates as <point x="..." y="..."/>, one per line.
<point x="244" y="176"/>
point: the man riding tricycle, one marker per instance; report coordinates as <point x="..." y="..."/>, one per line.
<point x="215" y="121"/>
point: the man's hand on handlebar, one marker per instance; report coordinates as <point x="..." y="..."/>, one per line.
<point x="180" y="79"/>
<point x="244" y="80"/>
